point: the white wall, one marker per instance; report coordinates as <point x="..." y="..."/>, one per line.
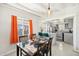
<point x="5" y="25"/>
<point x="77" y="32"/>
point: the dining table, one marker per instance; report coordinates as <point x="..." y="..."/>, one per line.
<point x="30" y="48"/>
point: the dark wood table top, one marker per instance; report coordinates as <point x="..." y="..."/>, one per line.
<point x="29" y="47"/>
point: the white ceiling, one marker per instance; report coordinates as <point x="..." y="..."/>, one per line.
<point x="41" y="8"/>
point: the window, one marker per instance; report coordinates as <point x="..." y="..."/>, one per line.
<point x="23" y="27"/>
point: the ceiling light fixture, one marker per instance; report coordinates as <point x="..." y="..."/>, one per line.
<point x="49" y="11"/>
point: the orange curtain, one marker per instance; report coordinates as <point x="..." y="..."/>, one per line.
<point x="31" y="28"/>
<point x="14" y="30"/>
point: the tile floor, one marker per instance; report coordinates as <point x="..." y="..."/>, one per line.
<point x="60" y="49"/>
<point x="63" y="49"/>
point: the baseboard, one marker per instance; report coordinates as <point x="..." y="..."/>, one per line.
<point x="11" y="51"/>
<point x="76" y="50"/>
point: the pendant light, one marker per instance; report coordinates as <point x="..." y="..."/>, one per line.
<point x="49" y="11"/>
